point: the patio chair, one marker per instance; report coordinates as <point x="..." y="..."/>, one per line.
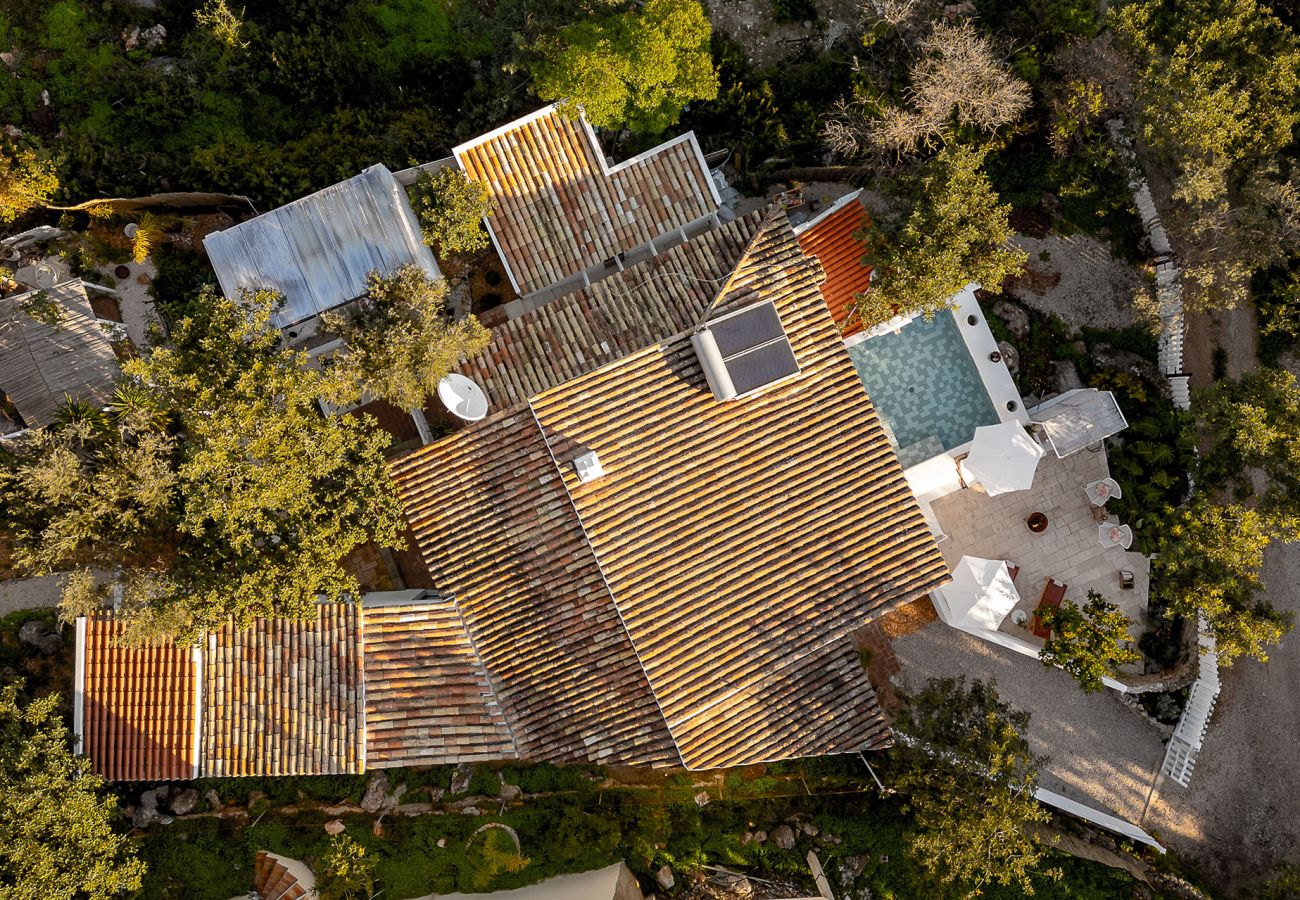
<point x="1126" y="579"/>
<point x="1013" y="570"/>
<point x="1053" y="594"/>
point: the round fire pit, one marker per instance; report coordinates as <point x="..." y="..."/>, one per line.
<point x="1036" y="522"/>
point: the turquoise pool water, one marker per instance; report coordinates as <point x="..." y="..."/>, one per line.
<point x="925" y="386"/>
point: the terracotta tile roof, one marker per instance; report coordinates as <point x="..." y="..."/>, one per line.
<point x="635" y="308"/>
<point x="136" y="705"/>
<point x="498" y="531"/>
<point x="742" y="541"/>
<point x="40" y="365"/>
<point x="561" y="208"/>
<point x="428" y="699"/>
<point x="832" y="241"/>
<point x="283" y="697"/>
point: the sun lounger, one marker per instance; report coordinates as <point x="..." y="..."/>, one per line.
<point x="1053" y="594"/>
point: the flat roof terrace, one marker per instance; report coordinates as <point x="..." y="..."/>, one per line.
<point x="976" y="524"/>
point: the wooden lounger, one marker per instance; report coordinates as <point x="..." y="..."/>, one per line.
<point x="1053" y="594"/>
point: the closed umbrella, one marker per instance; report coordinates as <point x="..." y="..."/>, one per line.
<point x="1002" y="458"/>
<point x="980" y="595"/>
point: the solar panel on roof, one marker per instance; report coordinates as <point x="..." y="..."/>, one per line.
<point x="761" y="365"/>
<point x="744" y="351"/>
<point x="747" y="329"/>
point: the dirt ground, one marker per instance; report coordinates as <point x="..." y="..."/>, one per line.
<point x="1241" y="813"/>
<point x="1078" y="279"/>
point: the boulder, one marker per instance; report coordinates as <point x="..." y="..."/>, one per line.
<point x="1015" y="316"/>
<point x="783" y="837"/>
<point x="760" y="837"/>
<point x="734" y="885"/>
<point x="664" y="878"/>
<point x="510" y="792"/>
<point x="461" y="777"/>
<point x="184" y="801"/>
<point x="702" y="798"/>
<point x="442" y="843"/>
<point x="376" y="795"/>
<point x="38" y="635"/>
<point x="212" y="798"/>
<point x="1066" y="377"/>
<point x="851" y="868"/>
<point x="470" y="811"/>
<point x="334" y="826"/>
<point x="808" y="828"/>
<point x="1010" y="356"/>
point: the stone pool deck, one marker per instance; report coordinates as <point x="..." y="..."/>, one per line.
<point x="976" y="524"/>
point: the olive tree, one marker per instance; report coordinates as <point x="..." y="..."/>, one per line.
<point x="1219" y="97"/>
<point x="214" y="482"/>
<point x="27" y="181"/>
<point x="401" y="340"/>
<point x="632" y="68"/>
<point x="57" y="821"/>
<point x="451" y="208"/>
<point x="1089" y="642"/>
<point x="957" y="231"/>
<point x="1208" y="564"/>
<point x="969" y="778"/>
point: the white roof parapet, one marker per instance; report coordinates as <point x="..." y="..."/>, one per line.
<point x="317" y="250"/>
<point x="1079" y="419"/>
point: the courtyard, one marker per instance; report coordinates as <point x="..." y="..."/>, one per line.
<point x="1068" y="550"/>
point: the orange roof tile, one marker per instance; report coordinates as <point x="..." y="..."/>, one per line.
<point x="428" y="699"/>
<point x="137" y="714"/>
<point x="742" y="541"/>
<point x="561" y="208"/>
<point x="832" y="241"/>
<point x="283" y="697"/>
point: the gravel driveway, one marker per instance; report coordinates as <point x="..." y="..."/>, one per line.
<point x="1101" y="753"/>
<point x="1241" y="813"/>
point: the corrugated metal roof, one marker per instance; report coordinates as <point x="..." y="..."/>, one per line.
<point x="1079" y="419"/>
<point x="318" y="250"/>
<point x="40" y="365"/>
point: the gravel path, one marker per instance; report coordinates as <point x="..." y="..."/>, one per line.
<point x="30" y="593"/>
<point x="1076" y="278"/>
<point x="1101" y="753"/>
<point x="1241" y="813"/>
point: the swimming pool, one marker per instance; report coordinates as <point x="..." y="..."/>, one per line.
<point x="925" y="386"/>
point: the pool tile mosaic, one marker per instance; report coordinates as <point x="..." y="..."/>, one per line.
<point x="925" y="386"/>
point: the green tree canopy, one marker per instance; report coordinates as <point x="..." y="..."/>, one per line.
<point x="28" y="180"/>
<point x="451" y="209"/>
<point x="1219" y="97"/>
<point x="1208" y="563"/>
<point x="1089" y="642"/>
<point x="400" y="339"/>
<point x="636" y="68"/>
<point x="956" y="232"/>
<point x="57" y="824"/>
<point x="214" y="481"/>
<point x="1252" y="422"/>
<point x="969" y="777"/>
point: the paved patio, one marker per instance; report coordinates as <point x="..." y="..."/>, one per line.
<point x="1101" y="753"/>
<point x="994" y="528"/>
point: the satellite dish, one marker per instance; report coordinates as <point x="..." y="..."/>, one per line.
<point x="463" y="398"/>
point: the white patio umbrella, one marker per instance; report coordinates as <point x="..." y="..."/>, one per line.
<point x="1002" y="458"/>
<point x="981" y="594"/>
